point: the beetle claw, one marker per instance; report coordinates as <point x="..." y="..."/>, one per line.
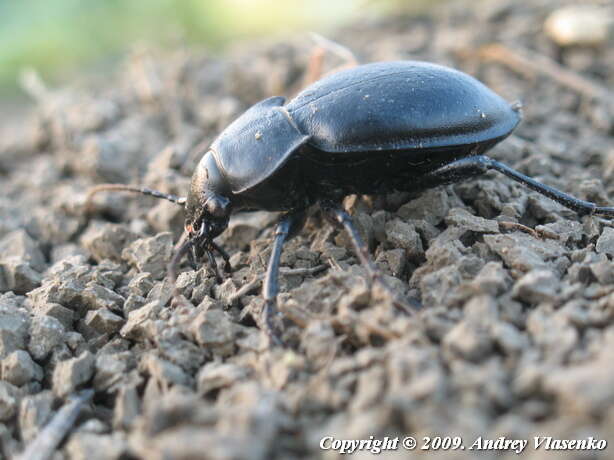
<point x="269" y="324"/>
<point x="218" y="277"/>
<point x="409" y="308"/>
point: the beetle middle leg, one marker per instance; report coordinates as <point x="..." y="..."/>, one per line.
<point x="315" y="67"/>
<point x="342" y="218"/>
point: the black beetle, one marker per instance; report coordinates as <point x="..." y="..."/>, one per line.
<point x="372" y="129"/>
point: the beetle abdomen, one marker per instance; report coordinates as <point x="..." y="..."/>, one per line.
<point x="400" y="105"/>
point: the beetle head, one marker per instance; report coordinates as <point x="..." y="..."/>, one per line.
<point x="208" y="220"/>
<point x="207" y="207"/>
<point x="207" y="214"/>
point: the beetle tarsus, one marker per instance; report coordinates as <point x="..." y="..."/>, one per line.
<point x="225" y="256"/>
<point x="269" y="312"/>
<point x="192" y="258"/>
<point x="213" y="265"/>
<point x="605" y="211"/>
<point x="476" y="165"/>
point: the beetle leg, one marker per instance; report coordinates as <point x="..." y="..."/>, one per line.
<point x="213" y="264"/>
<point x="580" y="206"/>
<point x="476" y="165"/>
<point x="192" y="258"/>
<point x="288" y="225"/>
<point x="445" y="175"/>
<point x="315" y="67"/>
<point x="225" y="256"/>
<point x="342" y="218"/>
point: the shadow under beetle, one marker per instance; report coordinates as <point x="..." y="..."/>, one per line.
<point x="372" y="129"/>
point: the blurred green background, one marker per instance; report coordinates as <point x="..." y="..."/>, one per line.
<point x="57" y="37"/>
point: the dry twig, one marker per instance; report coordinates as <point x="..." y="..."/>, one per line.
<point x="531" y="63"/>
<point x="45" y="444"/>
<point x="517" y="226"/>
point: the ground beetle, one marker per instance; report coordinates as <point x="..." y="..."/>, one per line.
<point x="371" y="129"/>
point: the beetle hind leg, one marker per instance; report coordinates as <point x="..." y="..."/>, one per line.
<point x="582" y="207"/>
<point x="479" y="164"/>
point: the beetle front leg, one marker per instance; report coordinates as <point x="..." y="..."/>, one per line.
<point x="288" y="225"/>
<point x="192" y="258"/>
<point x="225" y="256"/>
<point x="343" y="219"/>
<point x="213" y="265"/>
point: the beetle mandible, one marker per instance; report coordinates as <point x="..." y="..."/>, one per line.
<point x="371" y="129"/>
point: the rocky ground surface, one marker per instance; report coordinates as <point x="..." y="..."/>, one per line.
<point x="516" y="333"/>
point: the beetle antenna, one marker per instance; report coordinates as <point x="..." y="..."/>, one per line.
<point x="180" y="200"/>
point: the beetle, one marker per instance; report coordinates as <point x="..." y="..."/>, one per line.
<point x="370" y="129"/>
